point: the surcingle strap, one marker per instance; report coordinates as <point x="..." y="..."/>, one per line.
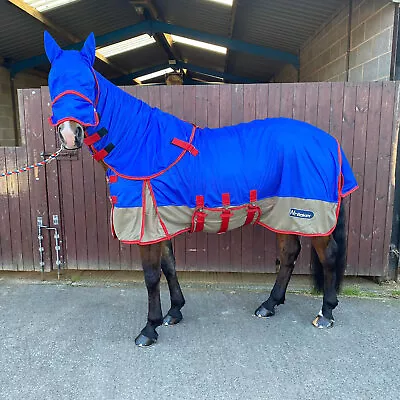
<point x="252" y="209"/>
<point x="199" y="215"/>
<point x="95" y="137"/>
<point x="186" y="146"/>
<point x="226" y="213"/>
<point x="103" y="152"/>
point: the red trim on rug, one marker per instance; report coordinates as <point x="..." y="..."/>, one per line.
<point x="143" y="178"/>
<point x="156" y="208"/>
<point x="350" y="191"/>
<point x="96" y="117"/>
<point x="296" y="233"/>
<point x="157" y="240"/>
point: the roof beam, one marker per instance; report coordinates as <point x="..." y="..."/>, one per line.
<point x="150" y="12"/>
<point x="127" y="79"/>
<point x="228" y="59"/>
<point x="58" y="29"/>
<point x="151" y="27"/>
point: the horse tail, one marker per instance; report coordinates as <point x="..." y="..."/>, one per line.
<point x="339" y="234"/>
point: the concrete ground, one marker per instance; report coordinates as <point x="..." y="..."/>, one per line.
<point x="74" y="339"/>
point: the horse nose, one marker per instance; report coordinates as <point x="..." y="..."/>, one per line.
<point x="67" y="136"/>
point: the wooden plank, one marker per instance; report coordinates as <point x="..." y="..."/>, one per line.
<point x="379" y="253"/>
<point x="358" y="161"/>
<point x="35" y="146"/>
<point x="368" y="187"/>
<point x="274" y="100"/>
<point x="102" y="217"/>
<point x="392" y="179"/>
<point x="5" y="229"/>
<point x="286" y="103"/>
<point x="213" y="241"/>
<point x="336" y="117"/>
<point x="349" y="107"/>
<point x="225" y="119"/>
<point x="236" y="234"/>
<point x="248" y="248"/>
<point x="51" y="145"/>
<point x="189" y="114"/>
<point x="29" y="236"/>
<point x="90" y="210"/>
<point x="201" y="121"/>
<point x="14" y="209"/>
<point x="324" y="105"/>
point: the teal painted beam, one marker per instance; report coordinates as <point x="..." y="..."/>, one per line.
<point x="127" y="79"/>
<point x="152" y="27"/>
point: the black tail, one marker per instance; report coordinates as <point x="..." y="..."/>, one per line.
<point x="339" y="234"/>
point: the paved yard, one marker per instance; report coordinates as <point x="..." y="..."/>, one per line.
<point x="58" y="341"/>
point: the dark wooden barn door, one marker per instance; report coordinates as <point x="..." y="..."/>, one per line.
<point x="363" y="117"/>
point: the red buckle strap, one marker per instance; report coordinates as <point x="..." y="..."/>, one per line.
<point x="226" y="213"/>
<point x="186" y="146"/>
<point x="95" y="137"/>
<point x="252" y="209"/>
<point x="199" y="216"/>
<point x="113" y="199"/>
<point x="103" y="152"/>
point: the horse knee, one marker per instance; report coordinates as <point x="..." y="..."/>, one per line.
<point x="290" y="251"/>
<point x="152" y="277"/>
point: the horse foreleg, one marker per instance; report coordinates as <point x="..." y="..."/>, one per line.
<point x="168" y="264"/>
<point x="289" y="248"/>
<point x="327" y="251"/>
<point x="151" y="260"/>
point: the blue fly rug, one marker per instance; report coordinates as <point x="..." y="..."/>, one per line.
<point x="167" y="176"/>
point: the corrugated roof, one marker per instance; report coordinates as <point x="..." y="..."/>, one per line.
<point x="283" y="25"/>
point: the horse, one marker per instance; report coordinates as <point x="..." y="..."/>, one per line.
<point x="167" y="176"/>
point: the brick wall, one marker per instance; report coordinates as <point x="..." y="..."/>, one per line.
<point x="9" y="133"/>
<point x="371" y="40"/>
<point x="326" y="55"/>
<point x="323" y="57"/>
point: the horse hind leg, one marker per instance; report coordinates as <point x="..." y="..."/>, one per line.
<point x="289" y="248"/>
<point x="325" y="260"/>
<point x="168" y="264"/>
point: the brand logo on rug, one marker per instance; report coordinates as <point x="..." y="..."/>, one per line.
<point x="294" y="212"/>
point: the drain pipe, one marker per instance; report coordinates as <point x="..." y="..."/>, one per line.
<point x="57" y="246"/>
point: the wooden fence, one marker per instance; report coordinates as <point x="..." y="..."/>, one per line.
<point x="363" y="117"/>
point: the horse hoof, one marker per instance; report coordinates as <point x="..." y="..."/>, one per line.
<point x="321" y="322"/>
<point x="262" y="312"/>
<point x="144" y="341"/>
<point x="169" y="320"/>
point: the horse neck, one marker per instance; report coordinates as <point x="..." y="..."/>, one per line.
<point x="115" y="105"/>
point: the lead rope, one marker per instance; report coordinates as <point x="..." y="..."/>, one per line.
<point x="29" y="167"/>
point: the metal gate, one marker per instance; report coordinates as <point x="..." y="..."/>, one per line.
<point x="72" y="191"/>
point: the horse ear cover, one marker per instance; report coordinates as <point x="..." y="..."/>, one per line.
<point x="89" y="49"/>
<point x="53" y="50"/>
